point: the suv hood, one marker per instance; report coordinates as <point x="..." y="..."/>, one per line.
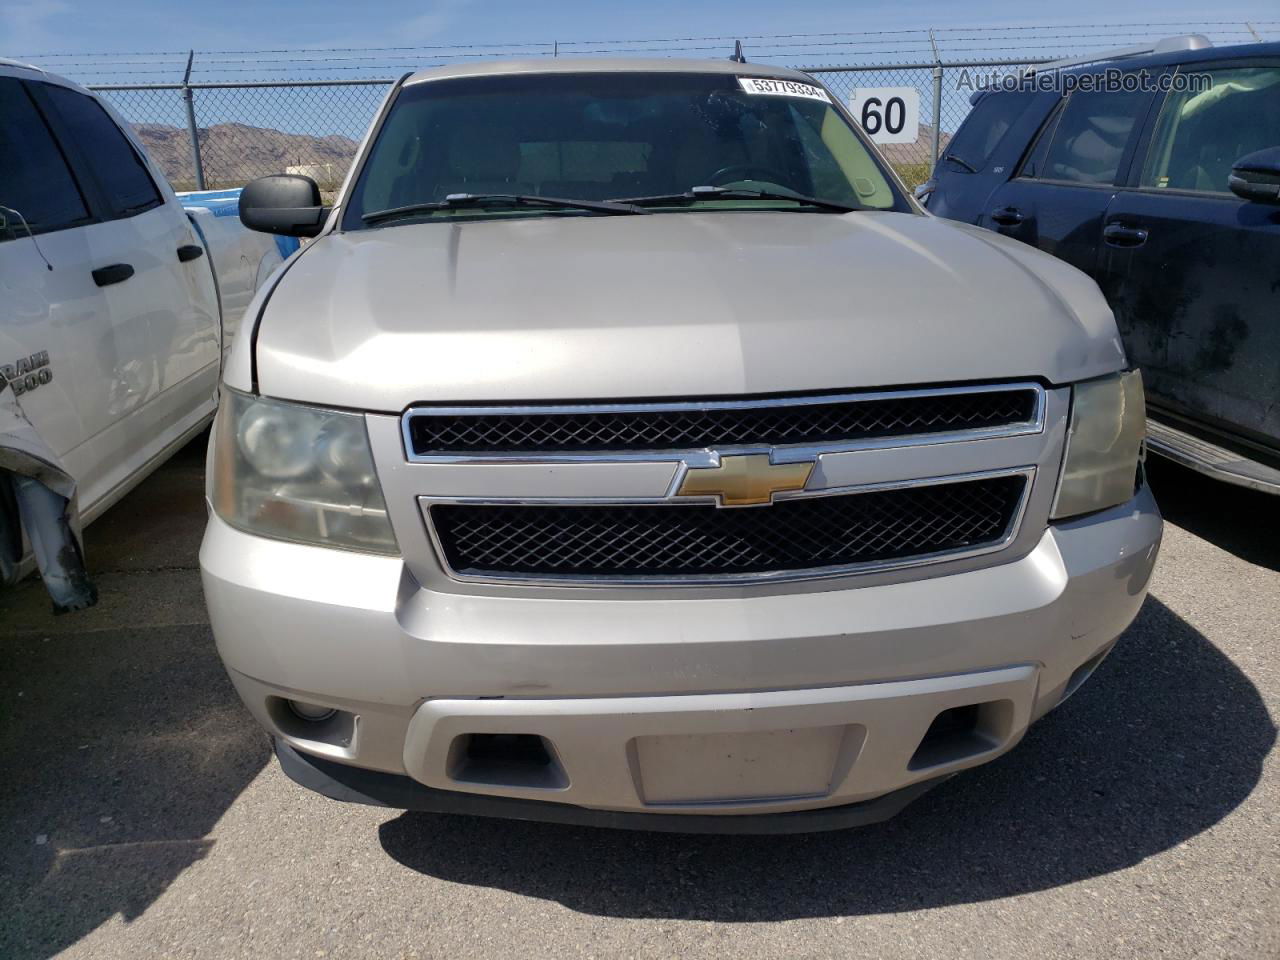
<point x="679" y="304"/>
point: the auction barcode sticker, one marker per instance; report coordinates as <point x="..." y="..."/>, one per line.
<point x="782" y="88"/>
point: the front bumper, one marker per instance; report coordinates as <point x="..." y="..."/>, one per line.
<point x="742" y="704"/>
<point x="341" y="781"/>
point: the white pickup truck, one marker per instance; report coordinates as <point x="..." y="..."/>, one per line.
<point x="118" y="302"/>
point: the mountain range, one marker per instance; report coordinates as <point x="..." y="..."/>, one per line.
<point x="233" y="153"/>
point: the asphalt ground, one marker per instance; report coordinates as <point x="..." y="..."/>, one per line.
<point x="141" y="813"/>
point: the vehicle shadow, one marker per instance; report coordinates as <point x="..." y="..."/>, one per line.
<point x="122" y="742"/>
<point x="1161" y="744"/>
<point x="131" y="748"/>
<point x="1241" y="521"/>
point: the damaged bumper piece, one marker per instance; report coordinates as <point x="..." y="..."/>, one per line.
<point x="38" y="499"/>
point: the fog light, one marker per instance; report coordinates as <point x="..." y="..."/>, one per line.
<point x="311" y="712"/>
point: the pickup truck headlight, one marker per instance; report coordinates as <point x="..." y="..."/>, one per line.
<point x="1104" y="444"/>
<point x="293" y="472"/>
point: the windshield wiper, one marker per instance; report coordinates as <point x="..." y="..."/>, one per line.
<point x="695" y="194"/>
<point x="458" y="201"/>
<point x="960" y="161"/>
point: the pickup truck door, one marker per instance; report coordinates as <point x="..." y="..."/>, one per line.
<point x="1191" y="270"/>
<point x="1058" y="200"/>
<point x="47" y="293"/>
<point x="145" y="369"/>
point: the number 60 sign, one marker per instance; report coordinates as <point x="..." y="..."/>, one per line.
<point x="887" y="114"/>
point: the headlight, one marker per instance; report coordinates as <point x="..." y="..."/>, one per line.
<point x="298" y="473"/>
<point x="1108" y="425"/>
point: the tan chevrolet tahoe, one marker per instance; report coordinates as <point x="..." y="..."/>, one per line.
<point x="627" y="449"/>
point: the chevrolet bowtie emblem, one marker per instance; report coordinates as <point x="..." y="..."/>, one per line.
<point x="745" y="480"/>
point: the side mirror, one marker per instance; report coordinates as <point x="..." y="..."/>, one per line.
<point x="12" y="224"/>
<point x="283" y="203"/>
<point x="1257" y="176"/>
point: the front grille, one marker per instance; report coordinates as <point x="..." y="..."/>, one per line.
<point x="765" y="423"/>
<point x="635" y="541"/>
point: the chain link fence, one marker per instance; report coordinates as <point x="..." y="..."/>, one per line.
<point x="233" y="116"/>
<point x="250" y="129"/>
<point x="943" y="90"/>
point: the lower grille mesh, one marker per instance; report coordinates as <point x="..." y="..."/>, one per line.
<point x="672" y="540"/>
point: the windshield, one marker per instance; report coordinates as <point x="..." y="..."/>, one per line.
<point x="610" y="136"/>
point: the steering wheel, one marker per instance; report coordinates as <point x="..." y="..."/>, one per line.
<point x="746" y="171"/>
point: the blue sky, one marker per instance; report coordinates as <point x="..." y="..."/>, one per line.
<point x="108" y="41"/>
<point x="31" y="27"/>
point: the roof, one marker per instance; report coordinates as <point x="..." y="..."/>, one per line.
<point x="12" y="68"/>
<point x="6" y="62"/>
<point x="490" y="68"/>
<point x="1179" y="57"/>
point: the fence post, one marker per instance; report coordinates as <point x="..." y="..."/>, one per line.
<point x="937" y="111"/>
<point x="191" y="123"/>
<point x="937" y="102"/>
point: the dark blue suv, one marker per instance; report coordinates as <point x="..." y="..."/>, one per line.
<point x="1159" y="176"/>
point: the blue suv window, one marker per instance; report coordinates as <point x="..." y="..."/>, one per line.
<point x="1202" y="133"/>
<point x="1090" y="137"/>
<point x="986" y="126"/>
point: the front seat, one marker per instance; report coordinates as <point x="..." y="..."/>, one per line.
<point x="1095" y="151"/>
